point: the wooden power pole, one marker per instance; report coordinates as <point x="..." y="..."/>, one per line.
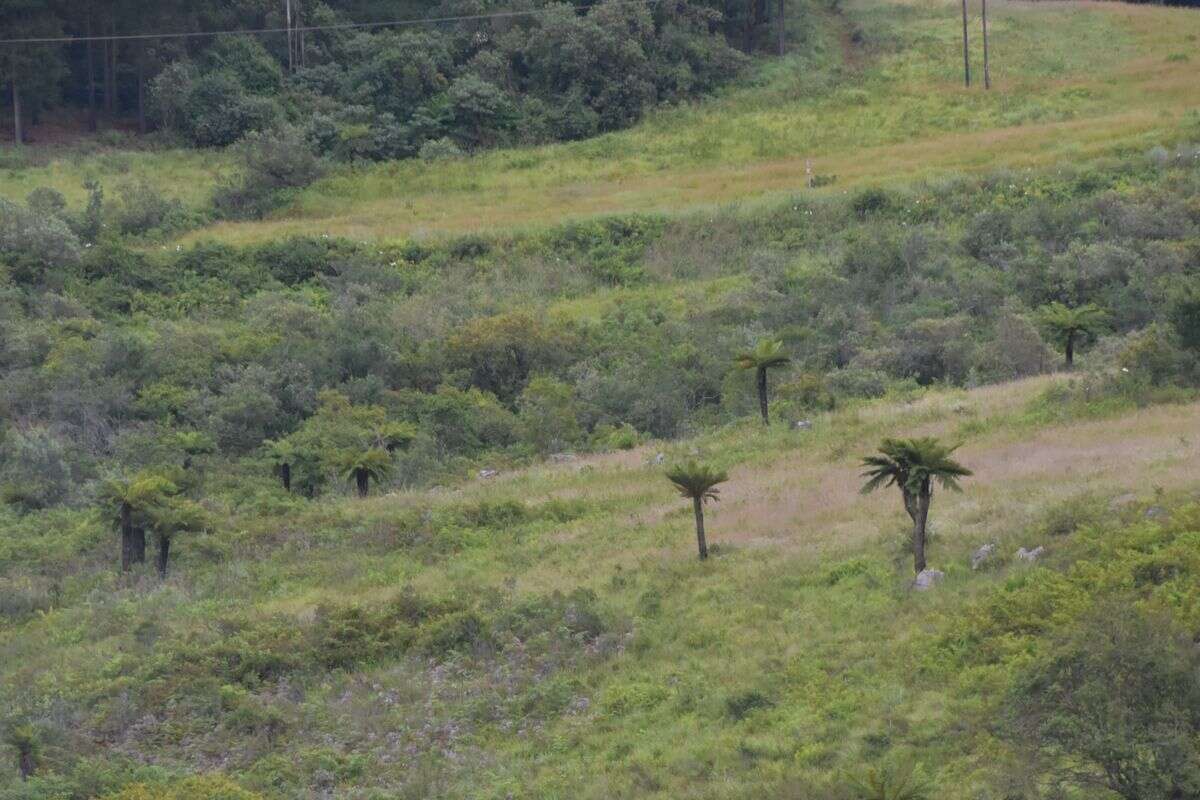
<point x="987" y="72"/>
<point x="18" y="132"/>
<point x="966" y="52"/>
<point x="782" y="29"/>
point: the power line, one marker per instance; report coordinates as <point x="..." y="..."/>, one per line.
<point x="306" y="28"/>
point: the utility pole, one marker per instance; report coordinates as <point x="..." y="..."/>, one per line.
<point x="18" y="133"/>
<point x="966" y="52"/>
<point x="291" y="44"/>
<point x="987" y="72"/>
<point x="91" y="75"/>
<point x="782" y="28"/>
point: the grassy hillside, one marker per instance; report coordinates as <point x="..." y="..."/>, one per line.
<point x="546" y="630"/>
<point x="874" y="95"/>
<point x="549" y="633"/>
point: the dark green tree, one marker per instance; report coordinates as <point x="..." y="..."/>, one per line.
<point x="1113" y="703"/>
<point x="914" y="465"/>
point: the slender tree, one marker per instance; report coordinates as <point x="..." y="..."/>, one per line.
<point x="765" y="355"/>
<point x="1070" y="325"/>
<point x="913" y="465"/>
<point x="698" y="482"/>
<point x="364" y="466"/>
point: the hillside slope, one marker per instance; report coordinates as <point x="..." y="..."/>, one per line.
<point x="873" y="94"/>
<point x="549" y="633"/>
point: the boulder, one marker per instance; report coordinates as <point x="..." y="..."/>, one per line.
<point x="927" y="579"/>
<point x="982" y="554"/>
<point x="1030" y="555"/>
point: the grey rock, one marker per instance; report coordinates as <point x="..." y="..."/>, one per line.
<point x="927" y="579"/>
<point x="1030" y="555"/>
<point x="982" y="554"/>
<point x="488" y="473"/>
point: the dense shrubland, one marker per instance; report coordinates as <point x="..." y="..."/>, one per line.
<point x="590" y="335"/>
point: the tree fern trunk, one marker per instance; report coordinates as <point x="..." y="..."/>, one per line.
<point x="1070" y="349"/>
<point x="139" y="545"/>
<point x="698" y="507"/>
<point x="126" y="538"/>
<point x="164" y="553"/>
<point x="362" y="479"/>
<point x="285" y="475"/>
<point x="762" y="395"/>
<point x="919" y="529"/>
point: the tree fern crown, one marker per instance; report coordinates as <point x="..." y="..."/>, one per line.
<point x="767" y="353"/>
<point x="694" y="480"/>
<point x="909" y="463"/>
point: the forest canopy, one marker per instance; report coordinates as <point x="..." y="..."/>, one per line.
<point x="360" y="87"/>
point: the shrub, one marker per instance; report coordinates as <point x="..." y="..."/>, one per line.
<point x="209" y="787"/>
<point x="32" y="242"/>
<point x="741" y="705"/>
<point x="143" y="208"/>
<point x="1115" y="703"/>
<point x="46" y="202"/>
<point x="273" y="166"/>
<point x="440" y="150"/>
